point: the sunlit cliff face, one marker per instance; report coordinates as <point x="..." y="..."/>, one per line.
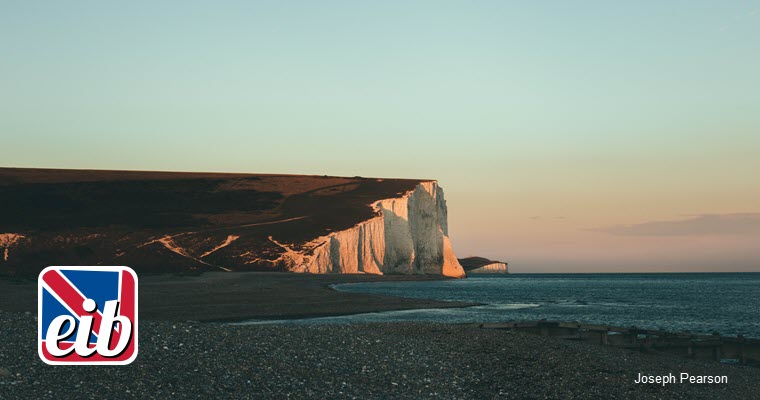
<point x="409" y="235"/>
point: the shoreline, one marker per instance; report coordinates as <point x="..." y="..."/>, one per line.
<point x="241" y="296"/>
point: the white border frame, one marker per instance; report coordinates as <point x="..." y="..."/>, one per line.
<point x="122" y="269"/>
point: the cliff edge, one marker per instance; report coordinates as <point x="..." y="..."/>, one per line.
<point x="482" y="265"/>
<point x="178" y="222"/>
<point x="408" y="235"/>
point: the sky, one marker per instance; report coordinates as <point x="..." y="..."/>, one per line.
<point x="584" y="136"/>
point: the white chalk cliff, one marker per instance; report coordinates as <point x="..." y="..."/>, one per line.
<point x="408" y="235"/>
<point x="224" y="222"/>
<point x="494" y="268"/>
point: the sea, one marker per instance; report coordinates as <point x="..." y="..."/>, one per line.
<point x="726" y="303"/>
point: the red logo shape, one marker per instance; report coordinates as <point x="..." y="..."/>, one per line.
<point x="87" y="315"/>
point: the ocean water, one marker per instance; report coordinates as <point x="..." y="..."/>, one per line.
<point x="728" y="303"/>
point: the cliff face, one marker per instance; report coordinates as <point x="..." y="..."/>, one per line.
<point x="481" y="265"/>
<point x="178" y="222"/>
<point x="409" y="235"/>
<point x="495" y="268"/>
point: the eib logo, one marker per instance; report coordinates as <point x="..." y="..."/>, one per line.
<point x="87" y="315"/>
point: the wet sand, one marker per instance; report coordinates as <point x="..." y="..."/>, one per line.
<point x="221" y="296"/>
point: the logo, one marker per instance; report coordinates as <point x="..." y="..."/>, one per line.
<point x="87" y="315"/>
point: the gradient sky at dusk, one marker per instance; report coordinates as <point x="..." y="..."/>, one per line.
<point x="569" y="136"/>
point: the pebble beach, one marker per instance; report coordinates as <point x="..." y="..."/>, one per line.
<point x="196" y="360"/>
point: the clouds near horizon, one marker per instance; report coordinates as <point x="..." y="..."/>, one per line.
<point x="735" y="224"/>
